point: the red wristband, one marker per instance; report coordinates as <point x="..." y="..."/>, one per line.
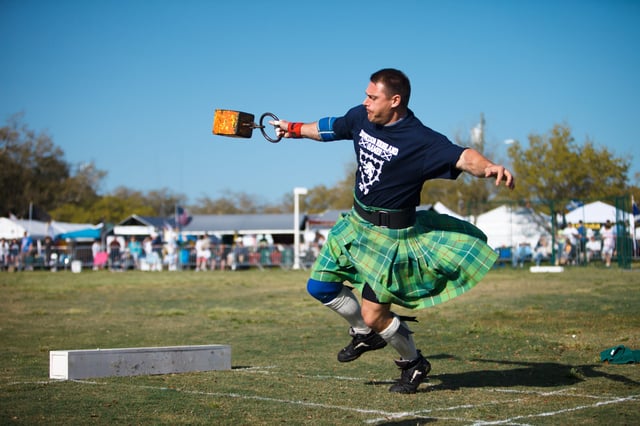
<point x="295" y="130"/>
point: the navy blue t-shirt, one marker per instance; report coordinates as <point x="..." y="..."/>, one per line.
<point x="394" y="161"/>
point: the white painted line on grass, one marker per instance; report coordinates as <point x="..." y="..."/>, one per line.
<point x="555" y="413"/>
<point x="565" y="392"/>
<point x="305" y="376"/>
<point x="383" y="415"/>
<point x="251" y="397"/>
<point x="386" y="415"/>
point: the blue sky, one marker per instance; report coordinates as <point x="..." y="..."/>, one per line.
<point x="133" y="85"/>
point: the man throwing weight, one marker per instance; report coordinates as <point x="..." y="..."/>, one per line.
<point x="389" y="252"/>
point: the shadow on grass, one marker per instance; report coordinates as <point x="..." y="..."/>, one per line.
<point x="527" y="374"/>
<point x="533" y="374"/>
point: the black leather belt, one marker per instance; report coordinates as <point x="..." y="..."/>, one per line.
<point x="389" y="219"/>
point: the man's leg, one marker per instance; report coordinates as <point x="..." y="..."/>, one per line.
<point x="396" y="332"/>
<point x="341" y="300"/>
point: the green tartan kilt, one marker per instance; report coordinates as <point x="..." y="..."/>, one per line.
<point x="437" y="259"/>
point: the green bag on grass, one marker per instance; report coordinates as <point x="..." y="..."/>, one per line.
<point x="620" y="355"/>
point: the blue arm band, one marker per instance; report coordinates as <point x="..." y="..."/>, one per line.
<point x="325" y="128"/>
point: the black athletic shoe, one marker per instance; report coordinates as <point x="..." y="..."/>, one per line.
<point x="413" y="373"/>
<point x="360" y="344"/>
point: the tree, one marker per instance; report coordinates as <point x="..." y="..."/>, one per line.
<point x="338" y="197"/>
<point x="164" y="201"/>
<point x="555" y="168"/>
<point x="81" y="187"/>
<point x="319" y="199"/>
<point x="230" y="203"/>
<point x="34" y="177"/>
<point x="468" y="195"/>
<point x="106" y="209"/>
<point x="32" y="170"/>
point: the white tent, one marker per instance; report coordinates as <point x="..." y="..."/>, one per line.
<point x="15" y="228"/>
<point x="507" y="227"/>
<point x="442" y="209"/>
<point x="596" y="212"/>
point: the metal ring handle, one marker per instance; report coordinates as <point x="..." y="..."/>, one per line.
<point x="264" y="133"/>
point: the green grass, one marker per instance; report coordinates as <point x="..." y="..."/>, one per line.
<point x="520" y="348"/>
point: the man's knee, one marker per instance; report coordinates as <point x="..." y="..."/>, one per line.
<point x="325" y="292"/>
<point x="376" y="316"/>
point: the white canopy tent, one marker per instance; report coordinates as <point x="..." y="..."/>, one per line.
<point x="442" y="209"/>
<point x="508" y="227"/>
<point x="596" y="212"/>
<point x="15" y="228"/>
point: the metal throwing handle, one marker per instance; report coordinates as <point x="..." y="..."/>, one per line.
<point x="261" y="127"/>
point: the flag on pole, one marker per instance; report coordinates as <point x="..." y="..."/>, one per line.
<point x="182" y="216"/>
<point x="635" y="215"/>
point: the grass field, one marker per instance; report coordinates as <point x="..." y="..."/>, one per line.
<point x="519" y="349"/>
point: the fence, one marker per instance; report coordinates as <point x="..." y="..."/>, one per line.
<point x="219" y="257"/>
<point x="514" y="231"/>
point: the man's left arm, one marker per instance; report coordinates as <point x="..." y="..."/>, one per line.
<point x="476" y="164"/>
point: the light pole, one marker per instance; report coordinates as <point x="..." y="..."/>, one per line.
<point x="296" y="225"/>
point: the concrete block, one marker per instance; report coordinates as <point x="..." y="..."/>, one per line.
<point x="93" y="363"/>
<point x="546" y="269"/>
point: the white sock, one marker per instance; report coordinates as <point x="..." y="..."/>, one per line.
<point x="399" y="337"/>
<point x="347" y="306"/>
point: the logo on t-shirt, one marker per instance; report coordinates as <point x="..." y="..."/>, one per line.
<point x="372" y="155"/>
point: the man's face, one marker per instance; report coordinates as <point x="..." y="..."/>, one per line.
<point x="379" y="105"/>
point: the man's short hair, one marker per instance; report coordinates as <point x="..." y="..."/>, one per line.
<point x="395" y="83"/>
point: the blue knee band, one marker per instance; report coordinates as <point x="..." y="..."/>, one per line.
<point x="323" y="291"/>
<point x="325" y="128"/>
